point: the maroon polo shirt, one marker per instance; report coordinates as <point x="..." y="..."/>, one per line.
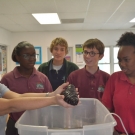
<point x="36" y="83"/>
<point x="119" y="95"/>
<point x="89" y="85"/>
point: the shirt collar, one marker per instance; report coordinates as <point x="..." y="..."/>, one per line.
<point x="17" y="73"/>
<point x="124" y="77"/>
<point x="96" y="74"/>
<point x="51" y="65"/>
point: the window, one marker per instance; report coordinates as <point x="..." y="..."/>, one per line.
<point x="116" y="65"/>
<point x="109" y="63"/>
<point x="104" y="63"/>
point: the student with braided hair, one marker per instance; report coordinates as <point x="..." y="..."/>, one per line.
<point x="24" y="79"/>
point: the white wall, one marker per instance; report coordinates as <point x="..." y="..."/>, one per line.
<point x="5" y="37"/>
<point x="43" y="39"/>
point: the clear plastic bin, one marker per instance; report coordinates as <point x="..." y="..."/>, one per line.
<point x="88" y="118"/>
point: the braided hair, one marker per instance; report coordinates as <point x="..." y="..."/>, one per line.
<point x="18" y="48"/>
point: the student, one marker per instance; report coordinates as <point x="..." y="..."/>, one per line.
<point x="24" y="78"/>
<point x="13" y="102"/>
<point x="119" y="94"/>
<point x="58" y="68"/>
<point x="90" y="80"/>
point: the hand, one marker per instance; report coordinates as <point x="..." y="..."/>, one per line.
<point x="61" y="88"/>
<point x="60" y="101"/>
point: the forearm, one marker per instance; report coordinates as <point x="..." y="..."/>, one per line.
<point x="33" y="95"/>
<point x="14" y="102"/>
<point x="25" y="103"/>
<point x="29" y="103"/>
<point x="49" y="94"/>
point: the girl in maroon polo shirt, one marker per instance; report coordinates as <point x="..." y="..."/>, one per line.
<point x="24" y="79"/>
<point x="119" y="94"/>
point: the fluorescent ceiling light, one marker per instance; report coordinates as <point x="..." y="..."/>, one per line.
<point x="133" y="20"/>
<point x="47" y="18"/>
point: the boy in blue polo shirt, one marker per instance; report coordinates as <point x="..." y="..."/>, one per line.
<point x="58" y="68"/>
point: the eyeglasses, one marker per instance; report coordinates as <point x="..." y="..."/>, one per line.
<point x="92" y="54"/>
<point x="28" y="56"/>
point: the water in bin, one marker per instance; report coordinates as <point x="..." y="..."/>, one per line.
<point x="68" y="118"/>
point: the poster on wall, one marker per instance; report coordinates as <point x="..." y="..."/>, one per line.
<point x="79" y="54"/>
<point x="38" y="55"/>
<point x="68" y="58"/>
<point x="1" y="62"/>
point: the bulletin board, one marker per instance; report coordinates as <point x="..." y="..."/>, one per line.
<point x="3" y="60"/>
<point x="38" y="55"/>
<point x="79" y="54"/>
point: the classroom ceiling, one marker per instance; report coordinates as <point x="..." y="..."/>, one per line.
<point x="15" y="15"/>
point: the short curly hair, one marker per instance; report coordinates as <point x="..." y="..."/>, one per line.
<point x="18" y="48"/>
<point x="94" y="43"/>
<point x="59" y="41"/>
<point x="126" y="39"/>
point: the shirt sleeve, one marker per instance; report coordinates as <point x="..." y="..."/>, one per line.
<point x="107" y="98"/>
<point x="3" y="89"/>
<point x="70" y="78"/>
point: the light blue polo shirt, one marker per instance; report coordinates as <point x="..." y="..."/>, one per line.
<point x="3" y="90"/>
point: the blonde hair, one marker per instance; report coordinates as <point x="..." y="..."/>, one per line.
<point x="59" y="41"/>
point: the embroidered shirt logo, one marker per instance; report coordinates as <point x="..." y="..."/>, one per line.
<point x="39" y="86"/>
<point x="100" y="89"/>
<point x="63" y="78"/>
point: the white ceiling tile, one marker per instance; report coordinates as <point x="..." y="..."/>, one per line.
<point x="15" y="15"/>
<point x="121" y="17"/>
<point x="72" y="15"/>
<point x="114" y="26"/>
<point x="5" y="20"/>
<point x="72" y="26"/>
<point x="22" y="19"/>
<point x="39" y="6"/>
<point x="13" y="27"/>
<point x="97" y="17"/>
<point x="128" y="6"/>
<point x="11" y="7"/>
<point x="72" y="5"/>
<point x="104" y="5"/>
<point x="91" y="26"/>
<point x="43" y="27"/>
